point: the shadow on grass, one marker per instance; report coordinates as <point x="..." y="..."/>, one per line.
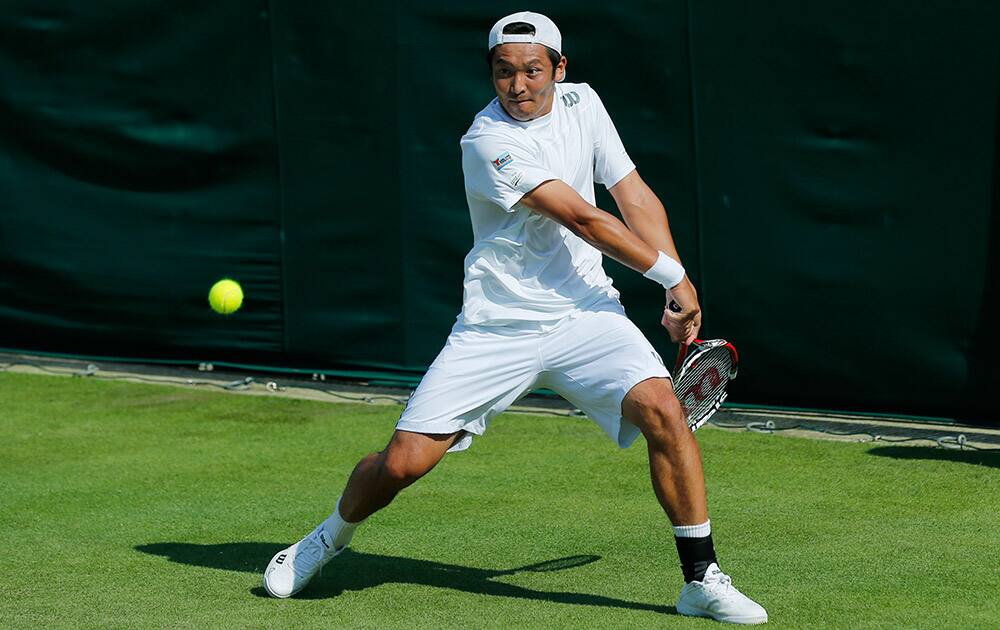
<point x="356" y="571"/>
<point x="980" y="458"/>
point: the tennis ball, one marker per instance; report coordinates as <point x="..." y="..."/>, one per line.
<point x="226" y="296"/>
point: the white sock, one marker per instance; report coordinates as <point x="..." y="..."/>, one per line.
<point x="693" y="531"/>
<point x="340" y="531"/>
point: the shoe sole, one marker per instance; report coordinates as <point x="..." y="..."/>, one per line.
<point x="273" y="594"/>
<point x="698" y="612"/>
<point x="319" y="573"/>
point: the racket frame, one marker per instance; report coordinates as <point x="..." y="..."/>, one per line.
<point x="687" y="359"/>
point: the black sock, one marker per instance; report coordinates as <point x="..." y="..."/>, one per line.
<point x="696" y="554"/>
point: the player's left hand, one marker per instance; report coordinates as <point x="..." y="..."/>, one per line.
<point x="682" y="326"/>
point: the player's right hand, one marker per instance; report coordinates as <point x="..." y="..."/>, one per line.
<point x="682" y="326"/>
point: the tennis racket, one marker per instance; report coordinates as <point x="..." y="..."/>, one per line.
<point x="701" y="374"/>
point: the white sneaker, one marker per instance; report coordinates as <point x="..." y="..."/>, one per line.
<point x="716" y="597"/>
<point x="291" y="569"/>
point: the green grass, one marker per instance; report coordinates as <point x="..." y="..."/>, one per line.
<point x="142" y="505"/>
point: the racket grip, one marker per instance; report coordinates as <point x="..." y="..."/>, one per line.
<point x="674" y="306"/>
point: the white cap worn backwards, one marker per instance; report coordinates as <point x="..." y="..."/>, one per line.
<point x="546" y="31"/>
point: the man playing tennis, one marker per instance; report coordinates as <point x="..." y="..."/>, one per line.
<point x="539" y="311"/>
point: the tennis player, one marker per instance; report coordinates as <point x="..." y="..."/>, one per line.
<point x="539" y="311"/>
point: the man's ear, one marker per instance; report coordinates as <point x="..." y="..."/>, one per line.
<point x="561" y="70"/>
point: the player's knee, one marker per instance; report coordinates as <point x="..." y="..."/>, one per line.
<point x="663" y="420"/>
<point x="398" y="472"/>
<point x="401" y="470"/>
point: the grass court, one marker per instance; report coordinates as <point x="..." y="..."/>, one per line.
<point x="128" y="505"/>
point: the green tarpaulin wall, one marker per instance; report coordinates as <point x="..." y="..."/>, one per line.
<point x="829" y="170"/>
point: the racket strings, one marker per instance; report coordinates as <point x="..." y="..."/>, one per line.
<point x="701" y="385"/>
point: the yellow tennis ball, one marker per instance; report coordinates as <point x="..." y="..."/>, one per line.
<point x="226" y="296"/>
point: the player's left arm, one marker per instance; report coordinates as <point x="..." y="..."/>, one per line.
<point x="646" y="217"/>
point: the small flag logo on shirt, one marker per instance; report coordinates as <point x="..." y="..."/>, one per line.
<point x="502" y="160"/>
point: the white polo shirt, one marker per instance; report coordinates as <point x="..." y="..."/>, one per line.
<point x="524" y="267"/>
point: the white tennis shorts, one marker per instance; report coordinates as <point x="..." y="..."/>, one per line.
<point x="592" y="359"/>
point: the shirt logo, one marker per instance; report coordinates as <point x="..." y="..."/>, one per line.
<point x="502" y="160"/>
<point x="570" y="99"/>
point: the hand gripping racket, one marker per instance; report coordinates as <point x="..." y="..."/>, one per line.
<point x="701" y="374"/>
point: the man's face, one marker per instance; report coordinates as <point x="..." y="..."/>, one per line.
<point x="524" y="80"/>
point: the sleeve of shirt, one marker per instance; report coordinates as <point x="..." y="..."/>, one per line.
<point x="611" y="162"/>
<point x="500" y="169"/>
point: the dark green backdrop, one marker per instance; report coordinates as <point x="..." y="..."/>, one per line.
<point x="829" y="170"/>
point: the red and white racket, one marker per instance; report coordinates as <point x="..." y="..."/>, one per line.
<point x="701" y="374"/>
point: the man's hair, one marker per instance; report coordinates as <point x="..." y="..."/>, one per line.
<point x="523" y="28"/>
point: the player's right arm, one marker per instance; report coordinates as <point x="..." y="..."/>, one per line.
<point x="558" y="201"/>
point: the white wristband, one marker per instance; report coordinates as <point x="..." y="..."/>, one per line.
<point x="666" y="271"/>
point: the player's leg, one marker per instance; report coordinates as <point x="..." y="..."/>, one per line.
<point x="373" y="484"/>
<point x="674" y="456"/>
<point x="476" y="376"/>
<point x="676" y="471"/>
<point x="605" y="366"/>
<point x="379" y="477"/>
<point x="679" y="483"/>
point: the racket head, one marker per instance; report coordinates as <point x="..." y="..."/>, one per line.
<point x="701" y="376"/>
